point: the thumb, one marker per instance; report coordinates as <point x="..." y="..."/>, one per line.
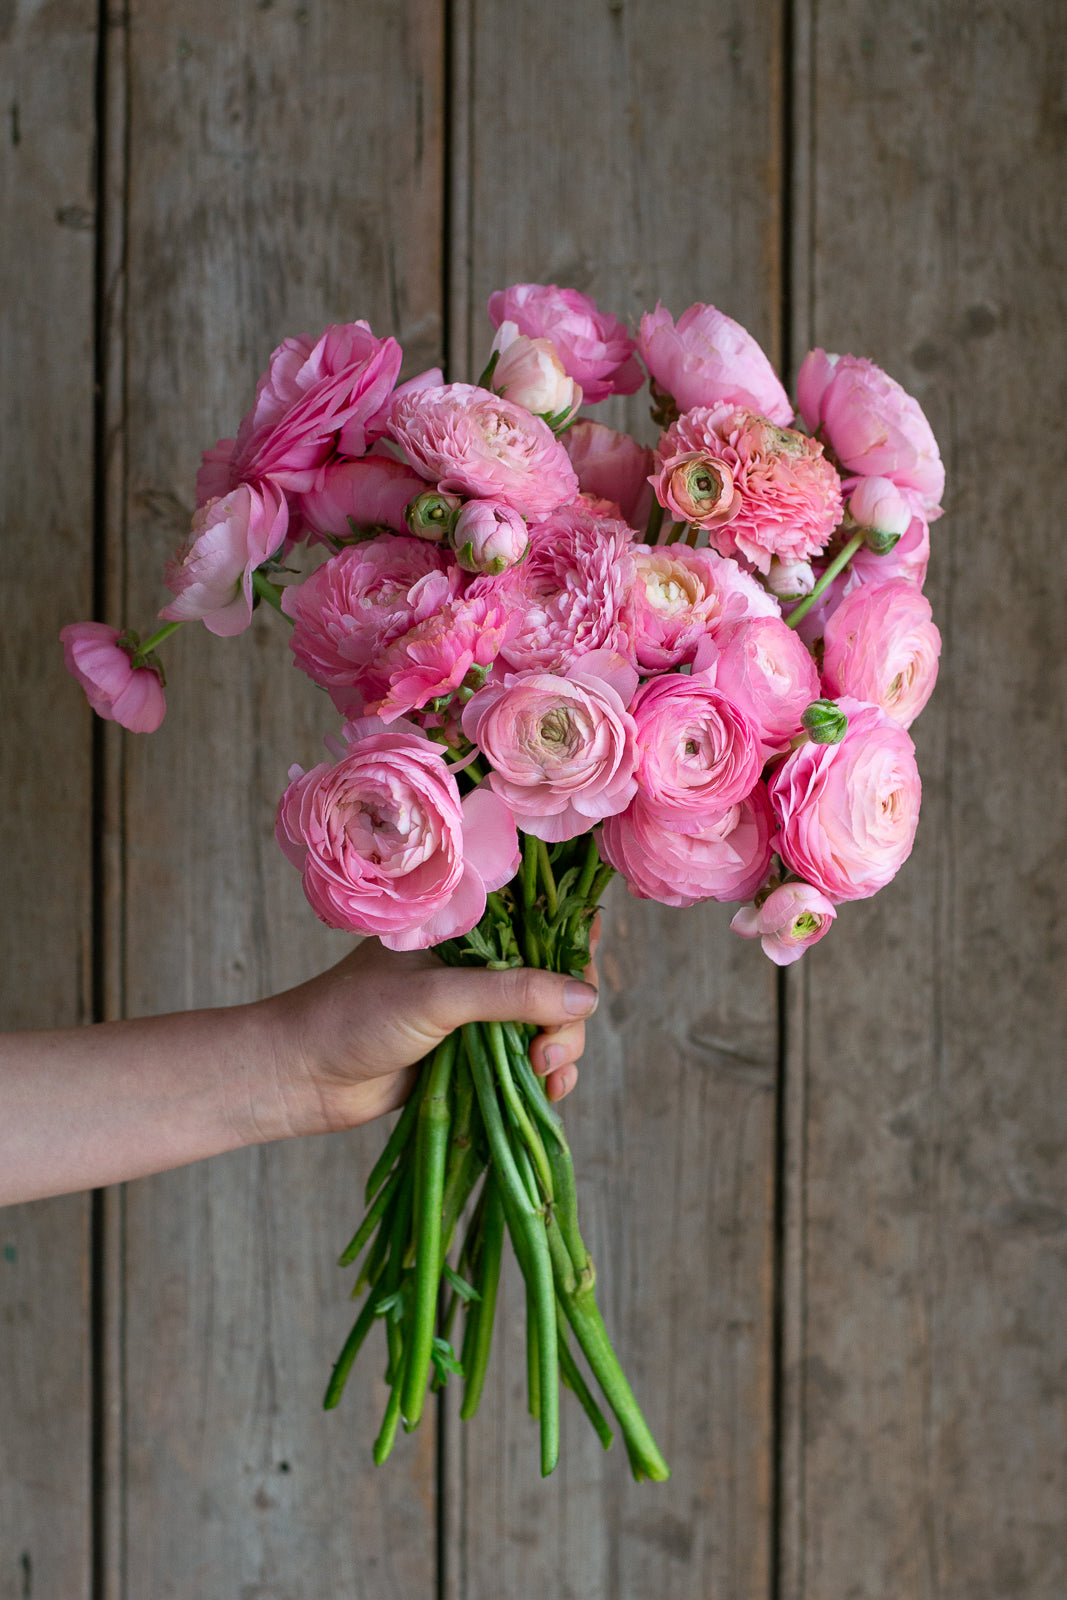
<point x="518" y="994"/>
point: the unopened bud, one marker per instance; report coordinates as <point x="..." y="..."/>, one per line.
<point x="531" y="374"/>
<point x="882" y="511"/>
<point x="825" y="722"/>
<point x="489" y="537"/>
<point x="790" y="580"/>
<point x="432" y="515"/>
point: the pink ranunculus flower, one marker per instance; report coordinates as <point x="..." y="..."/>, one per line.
<point x="697" y="489"/>
<point x="882" y="645"/>
<point x="489" y="536"/>
<point x="561" y="746"/>
<point x="381" y="422"/>
<point x="708" y="359"/>
<point x="726" y="858"/>
<point x="432" y="659"/>
<point x="348" y="612"/>
<point x="698" y="754"/>
<point x="316" y="395"/>
<point x="874" y="427"/>
<point x="471" y="442"/>
<point x="877" y="503"/>
<point x="790" y="494"/>
<point x="211" y="576"/>
<point x="372" y="492"/>
<point x="790" y="580"/>
<point x="793" y="917"/>
<point x="847" y="812"/>
<point x="385" y="844"/>
<point x="570" y="594"/>
<point x="100" y="658"/>
<point x="611" y="466"/>
<point x="767" y="671"/>
<point x="682" y="595"/>
<point x="907" y="560"/>
<point x="530" y="373"/>
<point x="594" y="347"/>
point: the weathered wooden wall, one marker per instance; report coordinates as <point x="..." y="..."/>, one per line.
<point x="831" y="1220"/>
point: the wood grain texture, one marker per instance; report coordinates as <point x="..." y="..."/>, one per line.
<point x="284" y="173"/>
<point x="578" y="168"/>
<point x="46" y="510"/>
<point x="928" y="1410"/>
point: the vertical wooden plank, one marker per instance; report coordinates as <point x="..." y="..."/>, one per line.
<point x="603" y="153"/>
<point x="284" y="172"/>
<point x="47" y="82"/>
<point x="929" y="1233"/>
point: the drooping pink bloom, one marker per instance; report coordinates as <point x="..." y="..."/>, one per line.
<point x="316" y="395"/>
<point x="594" y="347"/>
<point x="793" y="917"/>
<point x="489" y="536"/>
<point x="882" y="645"/>
<point x="767" y="671"/>
<point x="471" y="442"/>
<point x="433" y="657"/>
<point x="678" y="864"/>
<point x="211" y="575"/>
<point x="708" y="359"/>
<point x="372" y="492"/>
<point x="847" y="812"/>
<point x="350" y="610"/>
<point x="115" y="688"/>
<point x="790" y="494"/>
<point x="530" y="373"/>
<point x="874" y="427"/>
<point x="561" y="746"/>
<point x="698" y="754"/>
<point x="569" y="595"/>
<point x="682" y="596"/>
<point x="385" y="844"/>
<point x="612" y="466"/>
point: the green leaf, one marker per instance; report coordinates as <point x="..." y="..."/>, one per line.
<point x="465" y="1290"/>
<point x="444" y="1359"/>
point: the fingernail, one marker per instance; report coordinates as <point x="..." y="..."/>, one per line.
<point x="562" y="1083"/>
<point x="579" y="998"/>
<point x="553" y="1056"/>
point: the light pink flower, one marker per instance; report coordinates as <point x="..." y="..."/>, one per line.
<point x="877" y="503"/>
<point x="873" y="426"/>
<point x="766" y="670"/>
<point x="561" y="746"/>
<point x="471" y="442"/>
<point x="385" y="844"/>
<point x="682" y="595"/>
<point x="211" y="576"/>
<point x="708" y="359"/>
<point x="314" y="396"/>
<point x="348" y="612"/>
<point x="594" y="347"/>
<point x="612" y="466"/>
<point x="792" y="917"/>
<point x="790" y="494"/>
<point x="432" y="659"/>
<point x="881" y="645"/>
<point x="847" y="812"/>
<point x="569" y="595"/>
<point x="530" y="373"/>
<point x="489" y="536"/>
<point x="115" y="688"/>
<point x="372" y="492"/>
<point x="698" y="754"/>
<point x="790" y="580"/>
<point x="726" y="858"/>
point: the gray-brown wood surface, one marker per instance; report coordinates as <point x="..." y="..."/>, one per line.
<point x="829" y="1216"/>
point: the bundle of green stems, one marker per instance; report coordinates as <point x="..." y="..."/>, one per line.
<point x="478" y="1142"/>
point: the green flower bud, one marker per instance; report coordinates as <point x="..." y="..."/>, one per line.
<point x="825" y="722"/>
<point x="432" y="515"/>
<point x="879" y="541"/>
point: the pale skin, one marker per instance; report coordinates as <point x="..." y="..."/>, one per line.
<point x="84" y="1107"/>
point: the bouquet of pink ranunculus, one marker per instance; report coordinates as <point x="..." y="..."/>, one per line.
<point x="557" y="653"/>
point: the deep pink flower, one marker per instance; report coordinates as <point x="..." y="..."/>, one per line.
<point x="385" y="844"/>
<point x="612" y="466"/>
<point x="882" y="645"/>
<point x="569" y="595"/>
<point x="561" y="747"/>
<point x="115" y="688"/>
<point x="314" y="396"/>
<point x="594" y="347"/>
<point x="792" y="917"/>
<point x="767" y="671"/>
<point x="847" y="812"/>
<point x="211" y="576"/>
<point x="433" y="657"/>
<point x="678" y="864"/>
<point x="708" y="359"/>
<point x="471" y="442"/>
<point x="681" y="596"/>
<point x="874" y="427"/>
<point x="698" y="754"/>
<point x="790" y="494"/>
<point x="372" y="492"/>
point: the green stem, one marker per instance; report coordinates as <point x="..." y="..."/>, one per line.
<point x="572" y="1377"/>
<point x="654" y="523"/>
<point x="431" y="1150"/>
<point x="546" y="877"/>
<point x="352" y="1345"/>
<point x="270" y="592"/>
<point x="373" y="1216"/>
<point x="513" y="1100"/>
<point x="405" y="1126"/>
<point x="144" y="650"/>
<point x="529" y="899"/>
<point x="533" y="1359"/>
<point x="387" y="1437"/>
<point x="838" y="564"/>
<point x="478" y="1333"/>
